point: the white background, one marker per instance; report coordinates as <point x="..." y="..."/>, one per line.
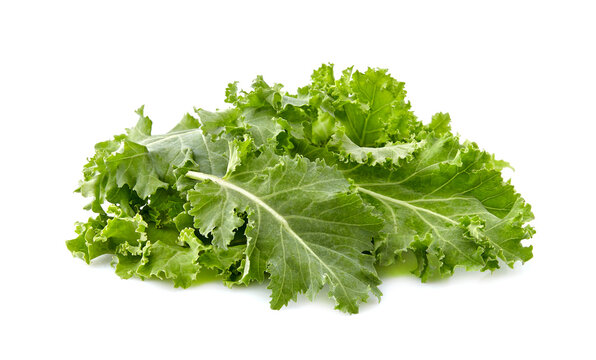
<point x="517" y="77"/>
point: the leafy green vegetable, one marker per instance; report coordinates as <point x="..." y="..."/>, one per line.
<point x="301" y="190"/>
<point x="305" y="228"/>
<point x="449" y="206"/>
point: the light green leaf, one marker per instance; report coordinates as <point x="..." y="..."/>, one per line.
<point x="79" y="246"/>
<point x="389" y="154"/>
<point x="304" y="227"/>
<point x="369" y="105"/>
<point x="177" y="262"/>
<point x="145" y="163"/>
<point x="322" y="128"/>
<point x="229" y="262"/>
<point x="451" y="206"/>
<point x="108" y="234"/>
<point x="218" y="122"/>
<point x="262" y="125"/>
<point x="440" y="124"/>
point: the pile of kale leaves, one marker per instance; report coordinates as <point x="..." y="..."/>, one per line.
<point x="301" y="190"/>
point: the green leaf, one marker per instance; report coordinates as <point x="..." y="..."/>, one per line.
<point x="389" y="154"/>
<point x="304" y="227"/>
<point x="323" y="78"/>
<point x="137" y="168"/>
<point x="228" y="262"/>
<point x="262" y="125"/>
<point x="79" y="246"/>
<point x="370" y="104"/>
<point x="440" y="124"/>
<point x="108" y="234"/>
<point x="322" y="128"/>
<point x="177" y="262"/>
<point x="122" y="234"/>
<point x="163" y="207"/>
<point x="219" y="122"/>
<point x="140" y="249"/>
<point x="137" y="165"/>
<point x="450" y="206"/>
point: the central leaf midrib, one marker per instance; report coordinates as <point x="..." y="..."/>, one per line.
<point x="405" y="204"/>
<point x="254" y="198"/>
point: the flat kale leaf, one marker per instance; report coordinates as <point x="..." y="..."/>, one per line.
<point x="305" y="228"/>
